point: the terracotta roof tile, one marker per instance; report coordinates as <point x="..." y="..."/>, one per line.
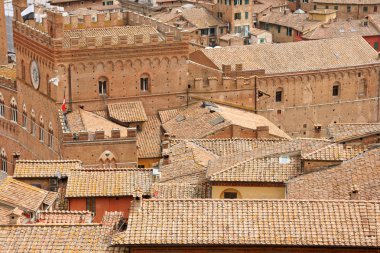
<point x="349" y="131"/>
<point x="253" y="222"/>
<point x="360" y="2"/>
<point x="259" y="170"/>
<point x="296" y="57"/>
<point x="8" y="71"/>
<point x="299" y="22"/>
<point x="149" y="139"/>
<point x="179" y="190"/>
<point x="108" y="182"/>
<point x="335" y="152"/>
<point x="4" y="212"/>
<point x="199" y="121"/>
<point x="361" y="174"/>
<point x="127" y="112"/>
<point x="24" y="196"/>
<point x="64" y="217"/>
<point x="60" y="238"/>
<point x="44" y="168"/>
<point x="167" y="115"/>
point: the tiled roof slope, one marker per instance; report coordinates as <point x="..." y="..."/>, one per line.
<point x="108" y="182"/>
<point x="253" y="222"/>
<point x="298" y="22"/>
<point x="64" y="217"/>
<point x="114" y="32"/>
<point x="4" y="211"/>
<point x="347" y="131"/>
<point x="335" y="152"/>
<point x="295" y="57"/>
<point x="347" y="1"/>
<point x="259" y="170"/>
<point x="24" y="196"/>
<point x="361" y="174"/>
<point x="53" y="238"/>
<point x="149" y="139"/>
<point x="179" y="191"/>
<point x="8" y="71"/>
<point x="166" y="115"/>
<point x="127" y="112"/>
<point x="199" y="121"/>
<point x="44" y="168"/>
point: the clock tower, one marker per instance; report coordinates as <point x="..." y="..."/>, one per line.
<point x="3" y="38"/>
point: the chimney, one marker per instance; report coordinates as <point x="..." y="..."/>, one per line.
<point x="166" y="137"/>
<point x="14" y="216"/>
<point x="354" y="194"/>
<point x="16" y="156"/>
<point x="137" y="199"/>
<point x="165" y="145"/>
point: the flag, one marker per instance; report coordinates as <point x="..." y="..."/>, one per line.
<point x="64" y="103"/>
<point x="28" y="13"/>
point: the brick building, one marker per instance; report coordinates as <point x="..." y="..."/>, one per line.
<point x="301" y="87"/>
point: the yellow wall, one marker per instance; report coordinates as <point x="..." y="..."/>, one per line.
<point x="251" y="192"/>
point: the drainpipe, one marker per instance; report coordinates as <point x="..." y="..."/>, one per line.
<point x="70" y="94"/>
<point x="255" y="93"/>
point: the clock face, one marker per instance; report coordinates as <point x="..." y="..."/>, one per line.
<point x="35" y="74"/>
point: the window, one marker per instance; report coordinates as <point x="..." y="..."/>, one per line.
<point x="326" y="7"/>
<point x="1" y="105"/>
<point x="221" y="30"/>
<point x="315" y="7"/>
<point x="41" y="137"/>
<point x="204" y="32"/>
<point x="335" y="90"/>
<point x="50" y="135"/>
<point x="236" y="2"/>
<point x="289" y="31"/>
<point x="246" y="30"/>
<point x="278" y="29"/>
<point x="24" y="116"/>
<point x="237" y="29"/>
<point x="23" y="70"/>
<point x="363" y="88"/>
<point x="227" y="2"/>
<point x="376" y="46"/>
<point x="212" y="31"/>
<point x="261" y="41"/>
<point x="220" y="14"/>
<point x="230" y="195"/>
<point x="141" y="166"/>
<point x="336" y="7"/>
<point x="279" y="95"/>
<point x="266" y="26"/>
<point x="348" y="8"/>
<point x="33" y="124"/>
<point x="91" y="204"/>
<point x="144" y="83"/>
<point x="102" y="86"/>
<point x="109" y="2"/>
<point x="13" y="110"/>
<point x="246" y="1"/>
<point x="3" y="158"/>
<point x="246" y="15"/>
<point x="375" y="9"/>
<point x="237" y="16"/>
<point x="305" y="1"/>
<point x="365" y="9"/>
<point x="48" y="84"/>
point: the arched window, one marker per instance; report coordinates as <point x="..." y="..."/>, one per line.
<point x="48" y="86"/>
<point x="279" y="94"/>
<point x="336" y="90"/>
<point x="33" y="123"/>
<point x="1" y="105"/>
<point x="107" y="159"/>
<point x="41" y="137"/>
<point x="13" y="110"/>
<point x="230" y="194"/>
<point x="363" y="88"/>
<point x="144" y="82"/>
<point x="102" y="83"/>
<point x="3" y="158"/>
<point x="50" y="133"/>
<point x="24" y="117"/>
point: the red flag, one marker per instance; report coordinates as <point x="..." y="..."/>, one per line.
<point x="64" y="103"/>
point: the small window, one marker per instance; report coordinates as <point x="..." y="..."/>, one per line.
<point x="327" y="7"/>
<point x="278" y="29"/>
<point x="91" y="204"/>
<point x="42" y="137"/>
<point x="221" y="30"/>
<point x="33" y="128"/>
<point x="278" y="95"/>
<point x="50" y="140"/>
<point x="289" y="31"/>
<point x="266" y="26"/>
<point x="24" y="120"/>
<point x="246" y="2"/>
<point x="348" y="8"/>
<point x="237" y="15"/>
<point x="144" y="83"/>
<point x="261" y="41"/>
<point x="102" y="83"/>
<point x="335" y="90"/>
<point x="212" y="31"/>
<point x="305" y="1"/>
<point x="14" y="114"/>
<point x="1" y="109"/>
<point x="376" y="46"/>
<point x="365" y="9"/>
<point x="3" y="157"/>
<point x="375" y="9"/>
<point x="246" y="15"/>
<point x="336" y="7"/>
<point x="141" y="166"/>
<point x="230" y="195"/>
<point x="315" y="7"/>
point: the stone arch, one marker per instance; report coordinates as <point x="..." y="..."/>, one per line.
<point x="13" y="102"/>
<point x="61" y="69"/>
<point x="147" y="63"/>
<point x="109" y="66"/>
<point x="107" y="159"/>
<point x="230" y="190"/>
<point x="80" y="67"/>
<point x="137" y="64"/>
<point x="156" y="62"/>
<point x="165" y="62"/>
<point x="90" y="67"/>
<point x="24" y="108"/>
<point x="100" y="67"/>
<point x="119" y="65"/>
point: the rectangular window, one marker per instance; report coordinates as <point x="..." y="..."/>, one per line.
<point x="221" y="30"/>
<point x="1" y="109"/>
<point x="278" y="96"/>
<point x="278" y="29"/>
<point x="141" y="166"/>
<point x="50" y="140"/>
<point x="246" y="15"/>
<point x="376" y="46"/>
<point x="144" y="84"/>
<point x="33" y="129"/>
<point x="237" y="15"/>
<point x="4" y="164"/>
<point x="348" y="8"/>
<point x="289" y="31"/>
<point x="41" y="134"/>
<point x="315" y="6"/>
<point x="365" y="9"/>
<point x="246" y="30"/>
<point x="262" y="40"/>
<point x="204" y="31"/>
<point x="305" y="1"/>
<point x="237" y="29"/>
<point x="91" y="204"/>
<point x="212" y="31"/>
<point x="266" y="26"/>
<point x="335" y="91"/>
<point x="375" y="9"/>
<point x="14" y="114"/>
<point x="336" y="7"/>
<point x="326" y="7"/>
<point x="230" y="195"/>
<point x="246" y="1"/>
